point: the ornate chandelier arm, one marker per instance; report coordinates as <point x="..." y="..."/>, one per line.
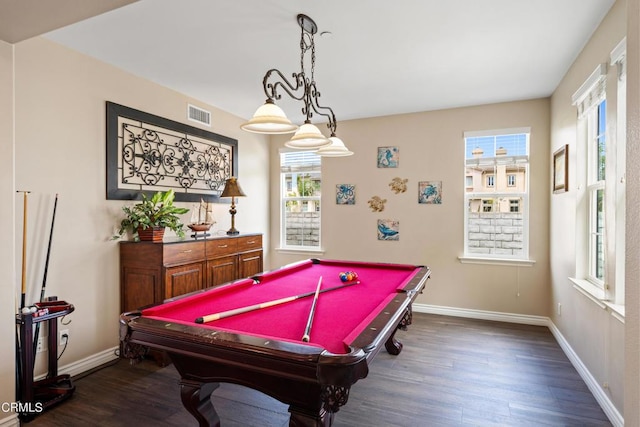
<point x="271" y="88"/>
<point x="327" y="112"/>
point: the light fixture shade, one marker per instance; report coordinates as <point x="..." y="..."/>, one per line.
<point x="308" y="137"/>
<point x="336" y="149"/>
<point x="269" y="119"/>
<point x="232" y="188"/>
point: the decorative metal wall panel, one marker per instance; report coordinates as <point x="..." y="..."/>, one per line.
<point x="147" y="153"/>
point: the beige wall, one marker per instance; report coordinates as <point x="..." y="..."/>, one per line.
<point x="431" y="149"/>
<point x="60" y="148"/>
<point x="7" y="272"/>
<point x="632" y="276"/>
<point x="593" y="333"/>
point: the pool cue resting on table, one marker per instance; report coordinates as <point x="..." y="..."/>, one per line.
<point x="307" y="329"/>
<point x="240" y="310"/>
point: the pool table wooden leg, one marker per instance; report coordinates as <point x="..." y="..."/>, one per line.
<point x="392" y="345"/>
<point x="196" y="398"/>
<point x="303" y="418"/>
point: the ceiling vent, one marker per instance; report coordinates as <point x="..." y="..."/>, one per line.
<point x="198" y="115"/>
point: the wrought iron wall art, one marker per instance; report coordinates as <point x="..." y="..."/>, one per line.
<point x="148" y="153"/>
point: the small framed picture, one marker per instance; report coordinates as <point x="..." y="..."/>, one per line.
<point x="388" y="157"/>
<point x="561" y="170"/>
<point x="345" y="194"/>
<point x="388" y="229"/>
<point x="430" y="192"/>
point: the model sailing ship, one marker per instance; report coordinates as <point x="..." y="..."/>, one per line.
<point x="201" y="219"/>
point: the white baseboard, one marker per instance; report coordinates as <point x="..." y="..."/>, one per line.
<point x="482" y="315"/>
<point x="10" y="421"/>
<point x="83" y="365"/>
<point x="598" y="393"/>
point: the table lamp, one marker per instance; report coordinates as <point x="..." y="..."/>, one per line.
<point x="232" y="189"/>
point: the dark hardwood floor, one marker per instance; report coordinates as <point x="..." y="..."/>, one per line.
<point x="451" y="372"/>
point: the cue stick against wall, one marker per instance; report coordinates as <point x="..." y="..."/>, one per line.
<point x="44" y="277"/>
<point x="228" y="313"/>
<point x="19" y="367"/>
<point x="307" y="329"/>
<point x="24" y="250"/>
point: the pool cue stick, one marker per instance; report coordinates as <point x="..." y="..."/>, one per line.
<point x="44" y="277"/>
<point x="233" y="312"/>
<point x="19" y="368"/>
<point x="24" y="249"/>
<point x="307" y="329"/>
<point x="18" y="357"/>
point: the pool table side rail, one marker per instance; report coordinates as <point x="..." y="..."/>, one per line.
<point x="380" y="328"/>
<point x="244" y="353"/>
<point x="134" y="326"/>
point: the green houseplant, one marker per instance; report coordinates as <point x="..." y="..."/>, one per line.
<point x="152" y="214"/>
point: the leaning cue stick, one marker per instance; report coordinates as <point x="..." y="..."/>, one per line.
<point x="19" y="367"/>
<point x="307" y="329"/>
<point x="46" y="270"/>
<point x="228" y="313"/>
<point x="24" y="250"/>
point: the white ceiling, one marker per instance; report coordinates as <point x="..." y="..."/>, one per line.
<point x="383" y="57"/>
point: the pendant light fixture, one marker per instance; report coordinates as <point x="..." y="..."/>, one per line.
<point x="270" y="119"/>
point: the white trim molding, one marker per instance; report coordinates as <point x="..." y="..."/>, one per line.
<point x="596" y="389"/>
<point x="10" y="421"/>
<point x="482" y="314"/>
<point x="83" y="365"/>
<point x="496" y="261"/>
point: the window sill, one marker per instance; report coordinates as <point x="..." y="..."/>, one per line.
<point x="497" y="261"/>
<point x="617" y="310"/>
<point x="589" y="290"/>
<point x="298" y="251"/>
<point x="597" y="295"/>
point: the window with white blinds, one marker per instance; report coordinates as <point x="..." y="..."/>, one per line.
<point x="496" y="171"/>
<point x="300" y="191"/>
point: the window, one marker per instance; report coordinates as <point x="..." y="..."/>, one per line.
<point x="300" y="199"/>
<point x="600" y="190"/>
<point x="596" y="169"/>
<point x="496" y="217"/>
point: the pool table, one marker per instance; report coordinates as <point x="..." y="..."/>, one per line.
<point x="263" y="348"/>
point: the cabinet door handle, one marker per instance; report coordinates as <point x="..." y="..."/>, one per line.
<point x="187" y="251"/>
<point x="251" y="242"/>
<point x="222" y="246"/>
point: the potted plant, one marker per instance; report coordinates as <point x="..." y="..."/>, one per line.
<point x="148" y="219"/>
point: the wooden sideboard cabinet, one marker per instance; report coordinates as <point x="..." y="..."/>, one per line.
<point x="152" y="272"/>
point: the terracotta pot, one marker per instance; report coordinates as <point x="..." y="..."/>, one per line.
<point x="151" y="234"/>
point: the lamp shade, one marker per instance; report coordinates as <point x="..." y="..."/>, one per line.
<point x="269" y="119"/>
<point x="336" y="149"/>
<point x="308" y="137"/>
<point x="232" y="188"/>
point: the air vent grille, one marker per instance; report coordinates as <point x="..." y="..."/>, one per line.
<point x="198" y="115"/>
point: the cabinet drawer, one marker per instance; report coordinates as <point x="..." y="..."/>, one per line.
<point x="249" y="243"/>
<point x="182" y="253"/>
<point x="221" y="247"/>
